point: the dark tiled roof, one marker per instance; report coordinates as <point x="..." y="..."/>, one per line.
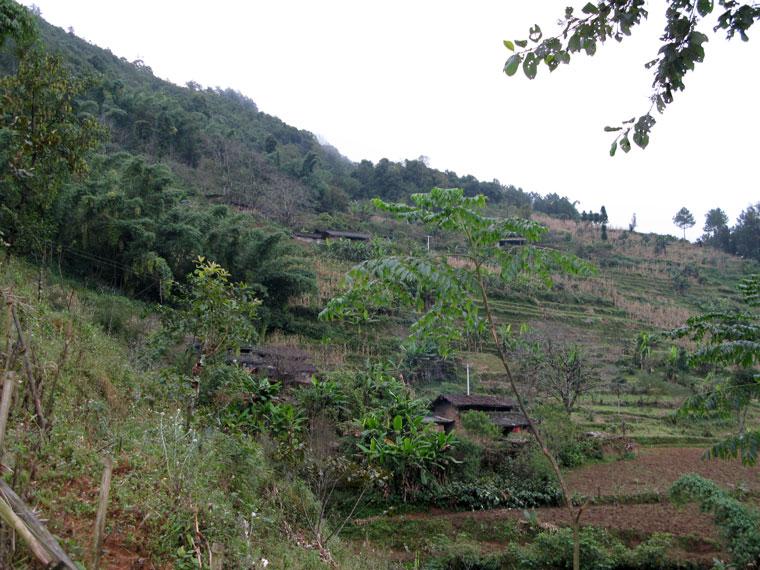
<point x="509" y="420"/>
<point x="346" y="235"/>
<point x="437" y="420"/>
<point x="286" y="363"/>
<point x="485" y="403"/>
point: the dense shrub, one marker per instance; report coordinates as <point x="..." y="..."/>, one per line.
<point x="599" y="551"/>
<point x="480" y="423"/>
<point x="569" y="445"/>
<point x="737" y="522"/>
<point x="355" y="251"/>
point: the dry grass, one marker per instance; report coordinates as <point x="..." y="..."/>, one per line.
<point x="639" y="245"/>
<point x="326" y="357"/>
<point x="661" y="314"/>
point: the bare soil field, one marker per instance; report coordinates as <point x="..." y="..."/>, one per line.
<point x="698" y="538"/>
<point x="652" y="471"/>
<point x="655" y="469"/>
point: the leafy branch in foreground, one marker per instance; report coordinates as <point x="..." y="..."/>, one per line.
<point x="729" y="339"/>
<point x="682" y="48"/>
<point x="449" y="293"/>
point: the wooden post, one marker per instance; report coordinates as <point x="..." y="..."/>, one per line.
<point x="33" y="388"/>
<point x="217" y="556"/>
<point x="14" y="521"/>
<point x="100" y="519"/>
<point x="25" y="522"/>
<point x="9" y="382"/>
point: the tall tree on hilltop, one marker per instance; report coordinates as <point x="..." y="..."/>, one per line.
<point x="746" y="234"/>
<point x="684" y="219"/>
<point x="715" y="219"/>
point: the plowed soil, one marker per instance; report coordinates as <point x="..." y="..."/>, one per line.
<point x="654" y="471"/>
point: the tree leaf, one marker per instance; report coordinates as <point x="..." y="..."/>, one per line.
<point x="509" y="45"/>
<point x="535" y="33"/>
<point x="574" y="43"/>
<point x="625" y="144"/>
<point x="613" y="148"/>
<point x="521" y="43"/>
<point x="612" y="129"/>
<point x="704" y="7"/>
<point x="590" y="8"/>
<point x="510" y="67"/>
<point x="641" y="139"/>
<point x="530" y="66"/>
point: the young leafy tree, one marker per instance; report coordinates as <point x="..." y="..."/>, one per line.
<point x="43" y="143"/>
<point x="643" y="348"/>
<point x="452" y="299"/>
<point x="729" y="340"/>
<point x="214" y="316"/>
<point x="684" y="219"/>
<point x="682" y="47"/>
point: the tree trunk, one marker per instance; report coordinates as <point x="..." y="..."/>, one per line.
<point x="575" y="514"/>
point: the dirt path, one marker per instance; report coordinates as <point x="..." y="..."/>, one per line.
<point x="635" y="521"/>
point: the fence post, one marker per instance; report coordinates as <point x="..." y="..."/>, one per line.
<point x="9" y="382"/>
<point x="100" y="519"/>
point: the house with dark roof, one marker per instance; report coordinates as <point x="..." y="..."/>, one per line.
<point x="323" y="235"/>
<point x="503" y="412"/>
<point x="353" y="236"/>
<point x="287" y="364"/>
<point x="512" y="240"/>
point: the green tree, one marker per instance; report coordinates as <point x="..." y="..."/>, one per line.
<point x="729" y="340"/>
<point x="715" y="220"/>
<point x="643" y="345"/>
<point x="16" y="24"/>
<point x="746" y="233"/>
<point x="43" y="142"/>
<point x="682" y="47"/>
<point x="684" y="219"/>
<point x="453" y="300"/>
<point x="214" y="317"/>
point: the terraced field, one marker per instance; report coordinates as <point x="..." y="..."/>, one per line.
<point x="629" y="499"/>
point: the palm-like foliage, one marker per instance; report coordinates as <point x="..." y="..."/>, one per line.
<point x="731" y="340"/>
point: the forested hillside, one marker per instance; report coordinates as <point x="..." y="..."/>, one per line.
<point x="264" y="395"/>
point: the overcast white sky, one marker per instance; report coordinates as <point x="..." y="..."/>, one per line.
<point x="400" y="79"/>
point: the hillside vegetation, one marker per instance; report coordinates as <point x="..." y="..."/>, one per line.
<point x="148" y="240"/>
